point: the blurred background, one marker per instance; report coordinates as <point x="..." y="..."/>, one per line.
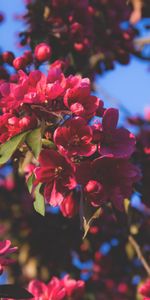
<point x="106" y="253"/>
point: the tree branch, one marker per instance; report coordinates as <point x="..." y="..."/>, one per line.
<point x="139" y="254"/>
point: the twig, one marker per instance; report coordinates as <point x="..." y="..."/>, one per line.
<point x="139" y="254"/>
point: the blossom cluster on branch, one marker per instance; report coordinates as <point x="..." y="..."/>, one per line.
<point x="88" y="34"/>
<point x="80" y="155"/>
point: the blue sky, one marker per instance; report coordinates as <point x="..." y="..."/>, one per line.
<point x="129" y="84"/>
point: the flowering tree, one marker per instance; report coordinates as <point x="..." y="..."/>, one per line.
<point x="81" y="168"/>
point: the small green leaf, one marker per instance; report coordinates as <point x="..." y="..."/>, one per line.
<point x="34" y="141"/>
<point x="7" y="149"/>
<point x="39" y="203"/>
<point x="30" y="182"/>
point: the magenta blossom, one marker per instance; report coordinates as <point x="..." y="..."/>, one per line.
<point x="144" y="290"/>
<point x="74" y="138"/>
<point x="116" y="141"/>
<point x="79" y="100"/>
<point x="57" y="173"/>
<point x="117" y="177"/>
<point x="57" y="289"/>
<point x="74" y="288"/>
<point x="54" y="290"/>
<point x="107" y="179"/>
<point x="5" y="250"/>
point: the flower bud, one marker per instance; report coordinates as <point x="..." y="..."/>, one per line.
<point x="42" y="52"/>
<point x="19" y="63"/>
<point x="27" y="122"/>
<point x="8" y="57"/>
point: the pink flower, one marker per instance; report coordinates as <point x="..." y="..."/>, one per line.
<point x="79" y="100"/>
<point x="74" y="138"/>
<point x="54" y="290"/>
<point x="57" y="173"/>
<point x="5" y="249"/>
<point x="107" y="179"/>
<point x="12" y="125"/>
<point x="57" y="289"/>
<point x="74" y="288"/>
<point x="144" y="289"/>
<point x="117" y="177"/>
<point x="116" y="141"/>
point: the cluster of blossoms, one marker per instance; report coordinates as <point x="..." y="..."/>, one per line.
<point x="100" y="260"/>
<point x="57" y="289"/>
<point x="142" y="154"/>
<point x="83" y="154"/>
<point x="88" y="34"/>
<point x="5" y="250"/>
<point x="144" y="290"/>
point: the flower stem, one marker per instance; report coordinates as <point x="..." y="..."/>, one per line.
<point x="139" y="254"/>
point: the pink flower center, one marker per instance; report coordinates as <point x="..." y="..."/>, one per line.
<point x="75" y="140"/>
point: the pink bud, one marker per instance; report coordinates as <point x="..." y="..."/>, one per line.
<point x="78" y="47"/>
<point x="24" y="122"/>
<point x="42" y="52"/>
<point x="19" y="63"/>
<point x="8" y="57"/>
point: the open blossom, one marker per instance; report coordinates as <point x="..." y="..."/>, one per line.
<point x="117" y="177"/>
<point x="10" y="125"/>
<point x="54" y="290"/>
<point x="57" y="289"/>
<point x="5" y="250"/>
<point x="65" y="109"/>
<point x="74" y="288"/>
<point x="57" y="173"/>
<point x="112" y="140"/>
<point x="144" y="290"/>
<point x="107" y="179"/>
<point x="74" y="138"/>
<point x="33" y="89"/>
<point x="79" y="100"/>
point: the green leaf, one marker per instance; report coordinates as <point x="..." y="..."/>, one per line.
<point x="7" y="149"/>
<point x="39" y="203"/>
<point x="30" y="182"/>
<point x="34" y="141"/>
